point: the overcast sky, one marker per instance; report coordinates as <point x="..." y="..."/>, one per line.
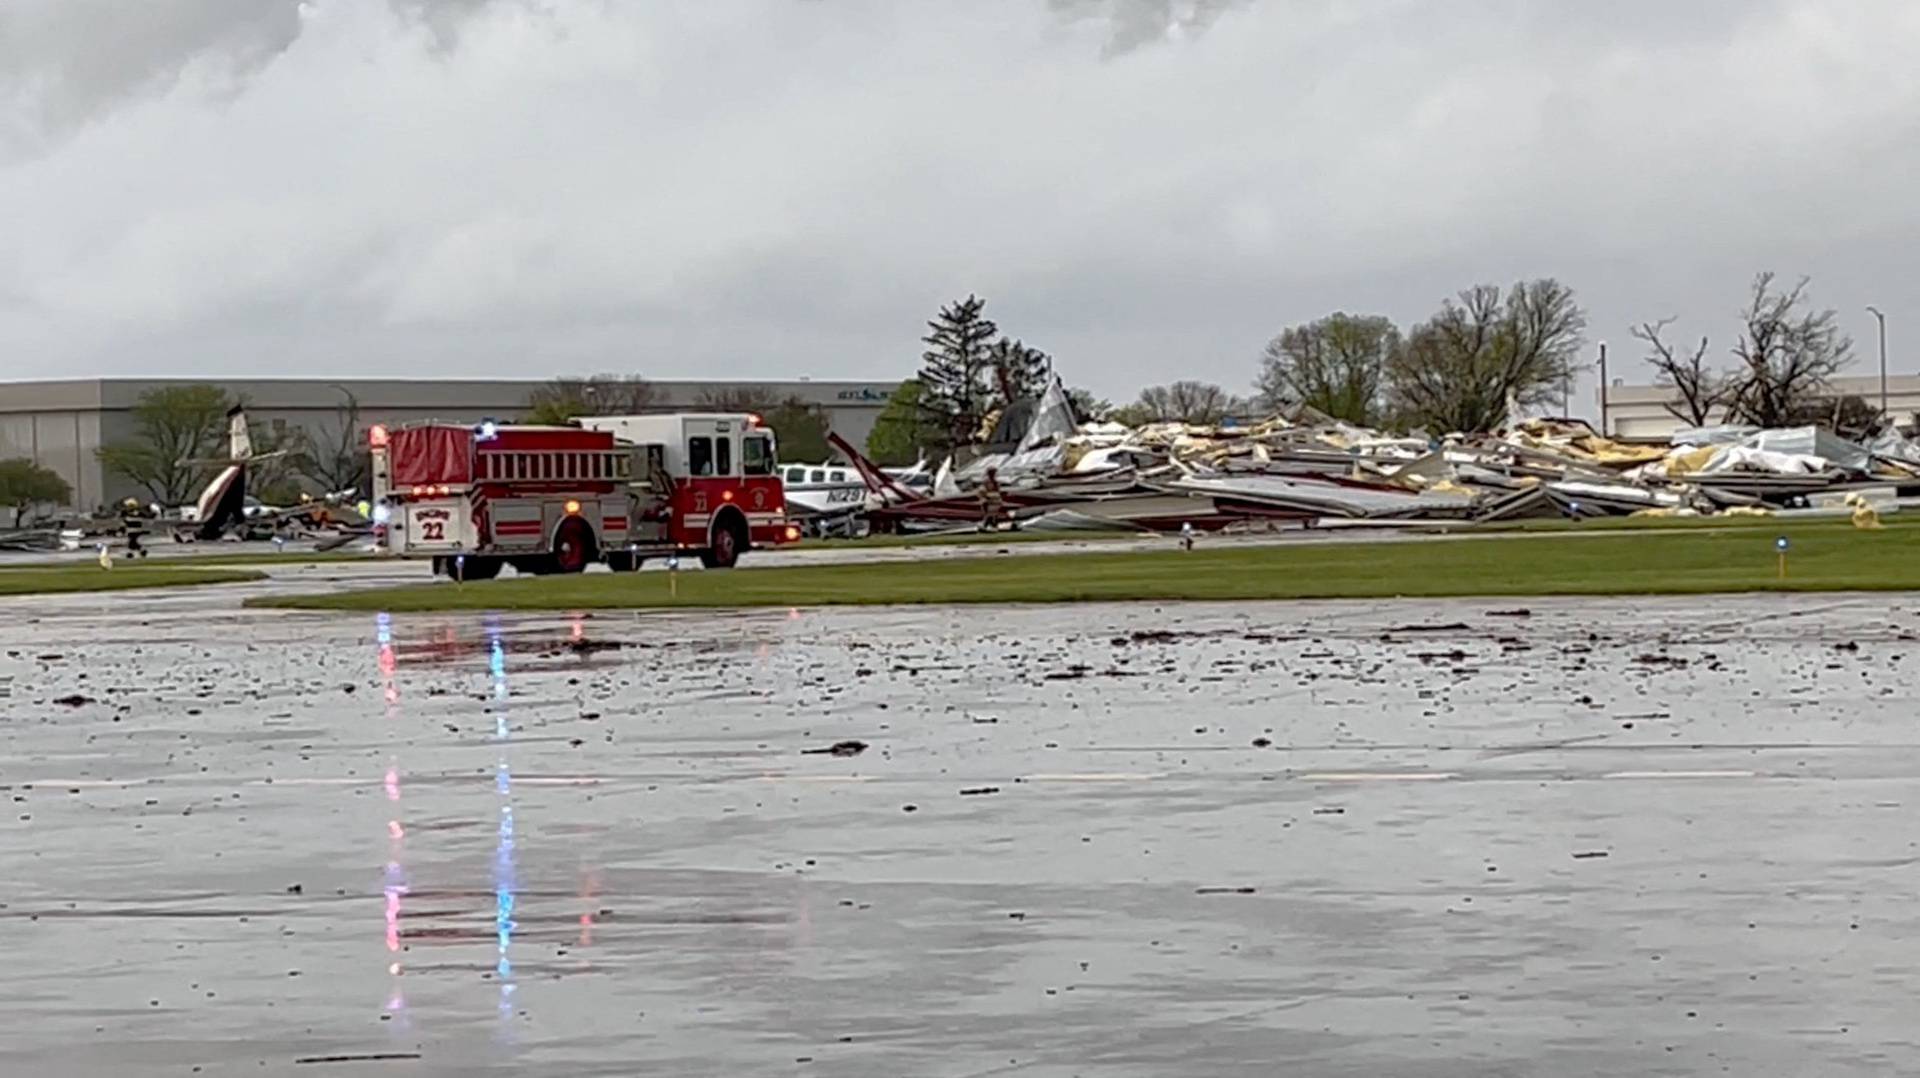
<point x="1148" y="189"/>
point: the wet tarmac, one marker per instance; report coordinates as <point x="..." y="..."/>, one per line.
<point x="1648" y="837"/>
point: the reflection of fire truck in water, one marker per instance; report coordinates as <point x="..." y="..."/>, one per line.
<point x="618" y="489"/>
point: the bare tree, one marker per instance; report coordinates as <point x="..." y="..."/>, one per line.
<point x="336" y="455"/>
<point x="1335" y="365"/>
<point x="1788" y="355"/>
<point x="738" y="397"/>
<point x="1699" y="390"/>
<point x="1185" y="402"/>
<point x="1469" y="365"/>
<point x="560" y="399"/>
<point x="800" y="428"/>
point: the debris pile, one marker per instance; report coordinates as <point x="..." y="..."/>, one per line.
<point x="1042" y="471"/>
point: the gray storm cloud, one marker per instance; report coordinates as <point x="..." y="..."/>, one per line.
<point x="1147" y="188"/>
<point x="62" y="62"/>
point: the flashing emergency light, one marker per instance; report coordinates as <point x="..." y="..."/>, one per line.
<point x="754" y="419"/>
<point x="793" y="534"/>
<point x="489" y="430"/>
<point x="382" y="514"/>
<point x="573" y="508"/>
<point x="377" y="436"/>
<point x="726" y="495"/>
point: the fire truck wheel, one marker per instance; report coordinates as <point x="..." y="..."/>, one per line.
<point x="622" y="561"/>
<point x="728" y="540"/>
<point x="573" y="546"/>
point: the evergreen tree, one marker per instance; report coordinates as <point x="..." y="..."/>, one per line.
<point x="955" y="394"/>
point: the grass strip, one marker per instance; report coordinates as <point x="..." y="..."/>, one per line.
<point x="78" y="578"/>
<point x="1823" y="556"/>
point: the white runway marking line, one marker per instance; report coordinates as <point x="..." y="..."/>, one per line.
<point x="518" y="780"/>
<point x="1096" y="776"/>
<point x="1680" y="775"/>
<point x="89" y="784"/>
<point x="1379" y="776"/>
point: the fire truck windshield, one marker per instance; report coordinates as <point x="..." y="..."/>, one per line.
<point x="756" y="455"/>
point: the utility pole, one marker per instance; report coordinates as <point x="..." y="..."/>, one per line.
<point x="1603" y="389"/>
<point x="1882" y="319"/>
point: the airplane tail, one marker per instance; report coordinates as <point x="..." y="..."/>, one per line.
<point x="224" y="501"/>
<point x="239" y="442"/>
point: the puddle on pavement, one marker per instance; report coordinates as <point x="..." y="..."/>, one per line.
<point x="1658" y="836"/>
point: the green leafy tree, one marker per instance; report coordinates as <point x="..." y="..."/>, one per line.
<point x="561" y="399"/>
<point x="1336" y="365"/>
<point x="901" y="433"/>
<point x="24" y="484"/>
<point x="800" y="430"/>
<point x="1468" y="366"/>
<point x="177" y="429"/>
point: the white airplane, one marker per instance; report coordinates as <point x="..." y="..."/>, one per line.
<point x="824" y="494"/>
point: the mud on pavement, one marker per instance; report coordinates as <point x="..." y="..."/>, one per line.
<point x="1441" y="838"/>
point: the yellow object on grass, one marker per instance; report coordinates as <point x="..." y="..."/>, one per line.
<point x="1865" y="516"/>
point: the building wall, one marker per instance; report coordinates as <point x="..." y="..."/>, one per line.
<point x="60" y="425"/>
<point x="1639" y="411"/>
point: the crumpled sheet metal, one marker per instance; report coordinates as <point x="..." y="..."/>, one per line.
<point x="1582" y="443"/>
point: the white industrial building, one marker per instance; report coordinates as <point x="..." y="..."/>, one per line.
<point x="1640" y="413"/>
<point x="61" y="424"/>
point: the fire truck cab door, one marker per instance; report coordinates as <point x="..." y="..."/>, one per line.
<point x="712" y="449"/>
<point x="435" y="526"/>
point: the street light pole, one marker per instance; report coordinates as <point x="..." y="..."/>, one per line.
<point x="1882" y="319"/>
<point x="1603" y="389"/>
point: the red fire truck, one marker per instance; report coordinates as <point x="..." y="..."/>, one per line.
<point x="618" y="489"/>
